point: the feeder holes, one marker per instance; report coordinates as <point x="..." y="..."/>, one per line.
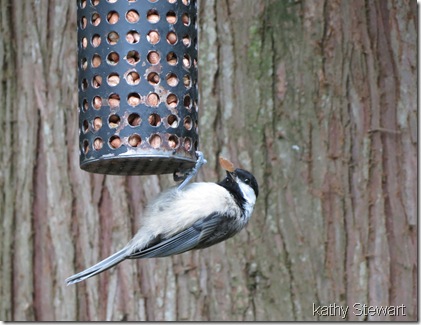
<point x="152" y="16"/>
<point x="97" y="124"/>
<point x="155" y="141"/>
<point x="173" y="141"/>
<point x="112" y="17"/>
<point x="135" y="140"/>
<point x="98" y="143"/>
<point x="113" y="121"/>
<point x="172" y="120"/>
<point x="133" y="99"/>
<point x="153" y="57"/>
<point x="153" y="37"/>
<point x="154" y="119"/>
<point x="134" y="119"/>
<point x="115" y="142"/>
<point x="171" y="17"/>
<point x="114" y="100"/>
<point x="132" y="37"/>
<point x="132" y="57"/>
<point x="153" y="78"/>
<point x="113" y="38"/>
<point x="152" y="100"/>
<point x="113" y="58"/>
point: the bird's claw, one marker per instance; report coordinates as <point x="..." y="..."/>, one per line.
<point x="189" y="174"/>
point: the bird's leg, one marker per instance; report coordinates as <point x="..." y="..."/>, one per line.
<point x="189" y="174"/>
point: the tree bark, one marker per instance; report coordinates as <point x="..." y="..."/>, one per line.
<point x="316" y="98"/>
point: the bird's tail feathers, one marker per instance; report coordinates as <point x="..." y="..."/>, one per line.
<point x="99" y="267"/>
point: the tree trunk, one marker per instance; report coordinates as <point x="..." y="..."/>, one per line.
<point x="316" y="98"/>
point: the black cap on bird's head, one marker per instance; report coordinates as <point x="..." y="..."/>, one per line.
<point x="236" y="176"/>
<point x="241" y="175"/>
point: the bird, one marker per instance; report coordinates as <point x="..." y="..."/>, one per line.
<point x="191" y="217"/>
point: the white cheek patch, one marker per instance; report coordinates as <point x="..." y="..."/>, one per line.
<point x="249" y="196"/>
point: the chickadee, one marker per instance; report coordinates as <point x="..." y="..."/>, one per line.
<point x="197" y="216"/>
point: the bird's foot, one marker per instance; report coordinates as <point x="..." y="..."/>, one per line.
<point x="189" y="174"/>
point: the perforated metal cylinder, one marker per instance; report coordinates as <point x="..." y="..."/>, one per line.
<point x="137" y="75"/>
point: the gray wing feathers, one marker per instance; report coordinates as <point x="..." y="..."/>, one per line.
<point x="183" y="241"/>
<point x="203" y="233"/>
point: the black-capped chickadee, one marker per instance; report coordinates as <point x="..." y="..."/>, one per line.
<point x="197" y="216"/>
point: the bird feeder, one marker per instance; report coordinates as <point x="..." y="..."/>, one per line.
<point x="137" y="83"/>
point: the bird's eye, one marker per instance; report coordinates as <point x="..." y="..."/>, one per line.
<point x="247" y="181"/>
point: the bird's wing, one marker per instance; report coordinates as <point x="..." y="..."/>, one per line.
<point x="184" y="241"/>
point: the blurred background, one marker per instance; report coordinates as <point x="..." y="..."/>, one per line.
<point x="317" y="98"/>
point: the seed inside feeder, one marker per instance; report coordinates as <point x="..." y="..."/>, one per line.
<point x="113" y="58"/>
<point x="186" y="81"/>
<point x="132" y="78"/>
<point x="96" y="61"/>
<point x="152" y="100"/>
<point x="96" y="19"/>
<point x="114" y="121"/>
<point x="96" y="81"/>
<point x="187" y="101"/>
<point x="85" y="126"/>
<point x="187" y="123"/>
<point x="112" y="17"/>
<point x="134" y="119"/>
<point x="171" y="17"/>
<point x="85" y="146"/>
<point x="97" y="123"/>
<point x="85" y="105"/>
<point x="153" y="57"/>
<point x="173" y="141"/>
<point x="84" y="42"/>
<point x="172" y="58"/>
<point x="97" y="102"/>
<point x="172" y="100"/>
<point x="172" y="80"/>
<point x="186" y="61"/>
<point x="133" y="99"/>
<point x="187" y="144"/>
<point x="84" y="22"/>
<point x="134" y="140"/>
<point x="114" y="100"/>
<point x="153" y="78"/>
<point x="96" y="40"/>
<point x="113" y="79"/>
<point x="113" y="38"/>
<point x="84" y="63"/>
<point x="98" y="143"/>
<point x="132" y="16"/>
<point x="185" y="19"/>
<point x="155" y="141"/>
<point x="154" y="120"/>
<point x="186" y="40"/>
<point x="133" y="57"/>
<point x="153" y="37"/>
<point x="172" y="121"/>
<point x="171" y="38"/>
<point x="84" y="85"/>
<point x="115" y="141"/>
<point x="132" y="37"/>
<point x="153" y="16"/>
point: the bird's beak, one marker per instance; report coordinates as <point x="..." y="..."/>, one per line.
<point x="232" y="175"/>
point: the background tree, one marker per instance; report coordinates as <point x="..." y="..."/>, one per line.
<point x="317" y="98"/>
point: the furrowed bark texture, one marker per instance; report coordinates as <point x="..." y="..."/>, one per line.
<point x="316" y="98"/>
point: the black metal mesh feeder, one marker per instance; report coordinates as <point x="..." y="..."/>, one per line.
<point x="137" y="70"/>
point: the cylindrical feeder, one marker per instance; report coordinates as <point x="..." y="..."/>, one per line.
<point x="137" y="75"/>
